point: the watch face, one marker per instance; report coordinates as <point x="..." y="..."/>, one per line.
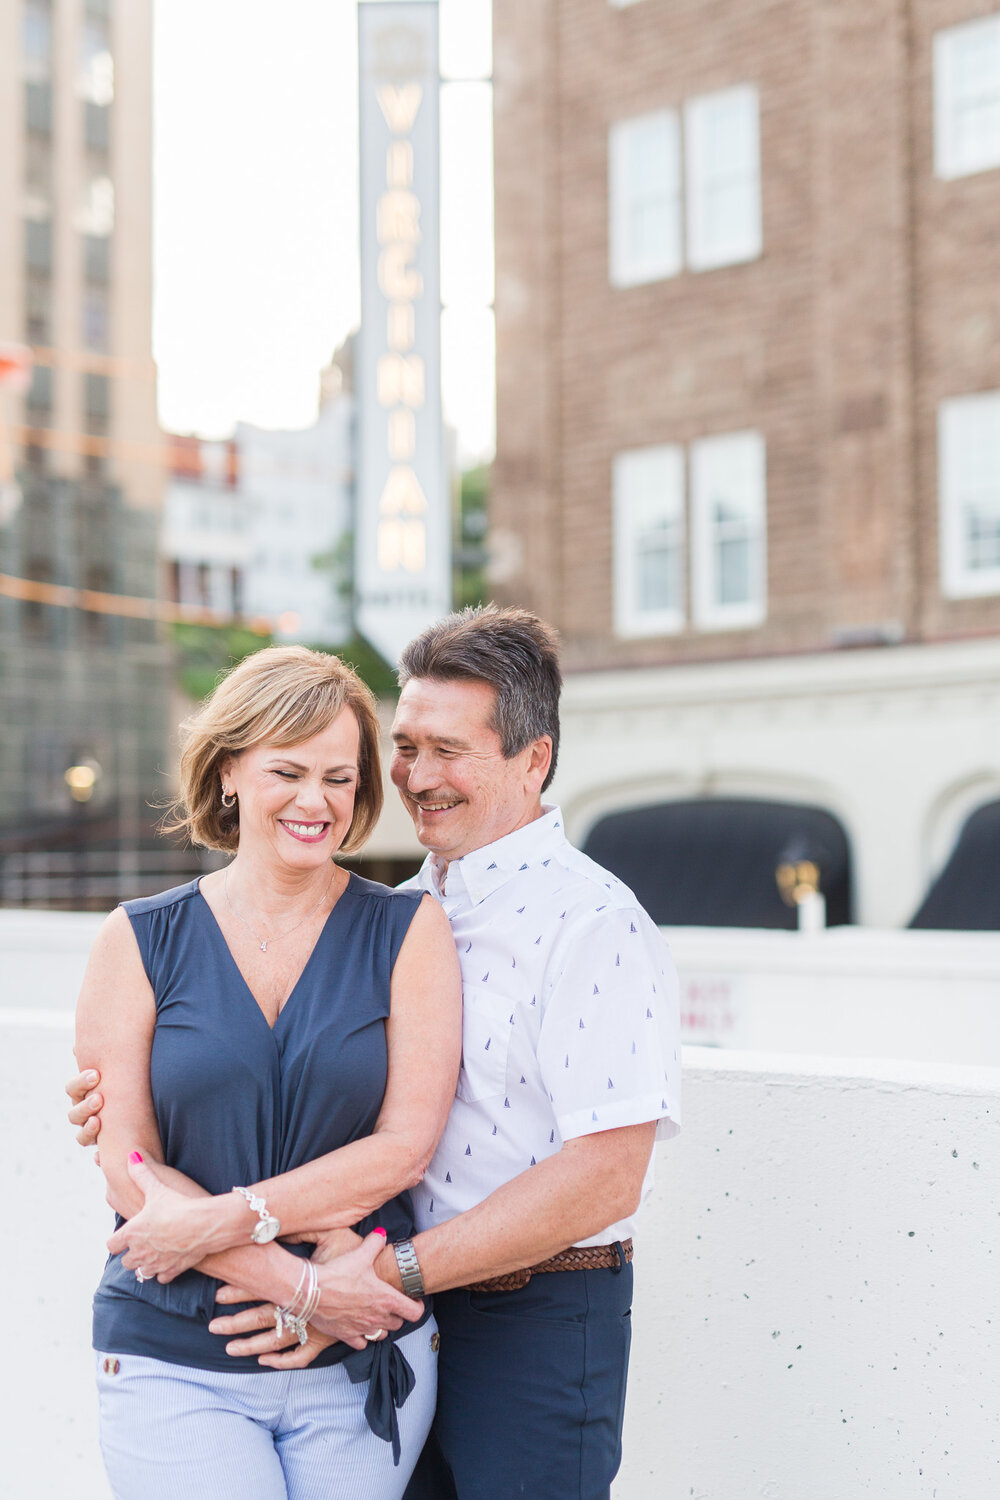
<point x="265" y="1230"/>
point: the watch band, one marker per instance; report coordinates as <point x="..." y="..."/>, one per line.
<point x="267" y="1227"/>
<point x="409" y="1268"/>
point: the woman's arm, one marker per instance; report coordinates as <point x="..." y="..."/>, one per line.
<point x="423" y="1037"/>
<point x="116" y="1016"/>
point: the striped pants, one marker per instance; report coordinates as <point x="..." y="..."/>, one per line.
<point x="170" y="1432"/>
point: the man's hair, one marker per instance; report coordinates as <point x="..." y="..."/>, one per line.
<point x="513" y="651"/>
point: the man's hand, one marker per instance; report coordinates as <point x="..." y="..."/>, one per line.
<point x="254" y="1328"/>
<point x="87" y="1106"/>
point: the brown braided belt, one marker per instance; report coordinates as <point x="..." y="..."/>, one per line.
<point x="576" y="1258"/>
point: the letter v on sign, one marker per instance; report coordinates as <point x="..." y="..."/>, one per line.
<point x="400" y="105"/>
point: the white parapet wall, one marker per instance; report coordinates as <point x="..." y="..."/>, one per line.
<point x="817" y="1290"/>
<point x="848" y="991"/>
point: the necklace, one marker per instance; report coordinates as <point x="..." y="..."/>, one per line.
<point x="263" y="942"/>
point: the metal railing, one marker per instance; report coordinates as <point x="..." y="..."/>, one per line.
<point x="96" y="880"/>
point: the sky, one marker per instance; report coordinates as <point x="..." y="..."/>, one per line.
<point x="256" y="210"/>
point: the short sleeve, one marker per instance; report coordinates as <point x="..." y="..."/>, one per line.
<point x="609" y="1048"/>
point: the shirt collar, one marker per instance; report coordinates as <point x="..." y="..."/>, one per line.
<point x="478" y="874"/>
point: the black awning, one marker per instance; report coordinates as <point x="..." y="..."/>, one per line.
<point x="712" y="862"/>
<point x="966" y="895"/>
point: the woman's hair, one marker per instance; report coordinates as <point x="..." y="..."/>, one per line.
<point x="281" y="695"/>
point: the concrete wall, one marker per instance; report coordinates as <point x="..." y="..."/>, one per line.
<point x="817" y="1294"/>
<point x="848" y="991"/>
<point x="817" y="1291"/>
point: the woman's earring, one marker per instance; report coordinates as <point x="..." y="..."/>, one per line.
<point x="228" y="800"/>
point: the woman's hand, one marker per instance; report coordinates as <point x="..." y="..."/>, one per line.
<point x="170" y="1233"/>
<point x="254" y="1332"/>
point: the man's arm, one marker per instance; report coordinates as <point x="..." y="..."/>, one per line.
<point x="593" y="1181"/>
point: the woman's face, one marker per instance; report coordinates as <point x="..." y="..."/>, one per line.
<point x="297" y="801"/>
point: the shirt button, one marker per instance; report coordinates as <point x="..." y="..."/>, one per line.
<point x="111" y="1367"/>
<point x="435" y="1342"/>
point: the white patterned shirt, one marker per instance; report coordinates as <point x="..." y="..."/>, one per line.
<point x="571" y="1016"/>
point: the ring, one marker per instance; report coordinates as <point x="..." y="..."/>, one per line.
<point x="372" y="1337"/>
<point x="140" y="1275"/>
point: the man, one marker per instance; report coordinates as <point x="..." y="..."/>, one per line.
<point x="570" y="1070"/>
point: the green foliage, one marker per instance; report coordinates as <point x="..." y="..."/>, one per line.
<point x="469" y="573"/>
<point x="370" y="666"/>
<point x="205" y="652"/>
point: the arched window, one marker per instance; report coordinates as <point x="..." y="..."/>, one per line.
<point x="713" y="862"/>
<point x="966" y="894"/>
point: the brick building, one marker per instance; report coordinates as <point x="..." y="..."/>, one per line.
<point x="748" y="340"/>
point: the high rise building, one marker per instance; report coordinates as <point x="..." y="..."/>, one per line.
<point x="748" y="342"/>
<point x="83" y="694"/>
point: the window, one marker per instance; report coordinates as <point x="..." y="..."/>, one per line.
<point x="727" y="536"/>
<point x="97" y="128"/>
<point x="648" y="503"/>
<point x="96" y="215"/>
<point x="96" y="401"/>
<point x="39" y="397"/>
<point x="645" y="193"/>
<point x="38" y="309"/>
<point x="38" y="170"/>
<point x="969" y="485"/>
<point x="95" y="319"/>
<point x="723" y="178"/>
<point x="96" y="78"/>
<point x="38" y="244"/>
<point x="38" y="108"/>
<point x="721" y="188"/>
<point x="728" y="489"/>
<point x="36" y="40"/>
<point x="967" y="98"/>
<point x="96" y="259"/>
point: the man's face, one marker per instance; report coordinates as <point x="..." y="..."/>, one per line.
<point x="451" y="773"/>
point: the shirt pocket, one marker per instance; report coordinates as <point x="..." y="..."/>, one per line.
<point x="486" y="1028"/>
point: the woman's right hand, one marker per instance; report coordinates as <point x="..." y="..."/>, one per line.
<point x="253" y="1332"/>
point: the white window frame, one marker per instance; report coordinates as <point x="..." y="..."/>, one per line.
<point x="630" y="620"/>
<point x="625" y="266"/>
<point x="951" y="158"/>
<point x="709" y="456"/>
<point x="706" y="250"/>
<point x="963" y="423"/>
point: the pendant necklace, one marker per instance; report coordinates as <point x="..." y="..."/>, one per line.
<point x="263" y="942"/>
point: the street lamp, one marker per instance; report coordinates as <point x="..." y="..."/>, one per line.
<point x="798" y="878"/>
<point x="82" y="779"/>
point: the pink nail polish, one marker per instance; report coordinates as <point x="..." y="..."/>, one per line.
<point x="134" y="1156"/>
<point x="382" y="1232"/>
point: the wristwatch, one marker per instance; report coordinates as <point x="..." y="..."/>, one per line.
<point x="409" y="1268"/>
<point x="267" y="1227"/>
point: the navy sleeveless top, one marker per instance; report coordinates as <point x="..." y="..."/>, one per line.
<point x="237" y="1102"/>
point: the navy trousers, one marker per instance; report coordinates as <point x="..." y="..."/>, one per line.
<point x="531" y="1390"/>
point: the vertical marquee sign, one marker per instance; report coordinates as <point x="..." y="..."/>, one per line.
<point x="403" y="531"/>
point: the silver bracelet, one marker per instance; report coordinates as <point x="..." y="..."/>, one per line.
<point x="409" y="1268"/>
<point x="297" y="1322"/>
<point x="267" y="1227"/>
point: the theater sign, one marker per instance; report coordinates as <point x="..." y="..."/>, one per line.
<point x="403" y="530"/>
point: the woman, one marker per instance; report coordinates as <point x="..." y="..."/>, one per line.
<point x="279" y="1043"/>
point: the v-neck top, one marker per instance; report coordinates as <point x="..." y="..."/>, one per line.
<point x="238" y="1101"/>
